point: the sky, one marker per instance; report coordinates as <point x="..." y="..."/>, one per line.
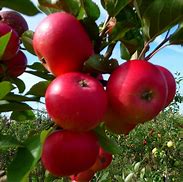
<point x="170" y="57"/>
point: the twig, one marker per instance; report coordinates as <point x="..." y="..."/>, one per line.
<point x="157" y="48"/>
<point x="154" y="52"/>
<point x="109" y="51"/>
<point x="144" y="50"/>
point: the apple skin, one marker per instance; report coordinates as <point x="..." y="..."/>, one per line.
<point x="13" y="44"/>
<point x="76" y="101"/>
<point x="15" y="66"/>
<point x="117" y="124"/>
<point x="171" y="83"/>
<point x="84" y="176"/>
<point x="66" y="153"/>
<point x="63" y="43"/>
<point x="137" y="90"/>
<point x="104" y="159"/>
<point x="15" y="20"/>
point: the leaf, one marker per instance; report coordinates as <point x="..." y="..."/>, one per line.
<point x="4" y="42"/>
<point x="19" y="83"/>
<point x="19" y="98"/>
<point x="47" y="10"/>
<point x="41" y="74"/>
<point x="39" y="89"/>
<point x="168" y="13"/>
<point x="20" y="166"/>
<point x="5" y="88"/>
<point x="38" y="67"/>
<point x="91" y="28"/>
<point x="177" y="37"/>
<point x="23" y="6"/>
<point x="98" y="64"/>
<point x="7" y="142"/>
<point x="34" y="145"/>
<point x="113" y="7"/>
<point x="6" y="106"/>
<point x="26" y="38"/>
<point x="22" y="115"/>
<point x="107" y="143"/>
<point x="91" y="9"/>
<point x="124" y="52"/>
<point x="70" y="6"/>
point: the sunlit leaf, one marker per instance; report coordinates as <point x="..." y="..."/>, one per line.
<point x="4" y="42"/>
<point x="23" y="6"/>
<point x="5" y="88"/>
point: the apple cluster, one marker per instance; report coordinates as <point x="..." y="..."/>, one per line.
<point x="77" y="102"/>
<point x="13" y="62"/>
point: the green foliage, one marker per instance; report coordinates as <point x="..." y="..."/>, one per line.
<point x="23" y="6"/>
<point x="4" y="42"/>
<point x="136" y="25"/>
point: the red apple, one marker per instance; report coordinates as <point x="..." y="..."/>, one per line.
<point x="171" y="83"/>
<point x="84" y="176"/>
<point x="66" y="153"/>
<point x="104" y="159"/>
<point x="117" y="124"/>
<point x="15" y="20"/>
<point x="76" y="101"/>
<point x="15" y="66"/>
<point x="13" y="44"/>
<point x="137" y="90"/>
<point x="63" y="43"/>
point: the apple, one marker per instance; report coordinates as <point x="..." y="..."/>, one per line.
<point x="62" y="43"/>
<point x="104" y="159"/>
<point x="16" y="66"/>
<point x="76" y="101"/>
<point x="15" y="20"/>
<point x="84" y="176"/>
<point x="171" y="83"/>
<point x="13" y="44"/>
<point x="137" y="90"/>
<point x="66" y="152"/>
<point x="117" y="124"/>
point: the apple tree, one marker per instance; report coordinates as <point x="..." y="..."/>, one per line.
<point x="74" y="53"/>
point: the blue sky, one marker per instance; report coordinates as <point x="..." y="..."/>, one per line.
<point x="170" y="57"/>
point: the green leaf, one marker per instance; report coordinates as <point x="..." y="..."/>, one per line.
<point x="22" y="115"/>
<point x="23" y="6"/>
<point x="98" y="64"/>
<point x="44" y="135"/>
<point x="19" y="98"/>
<point x="168" y="13"/>
<point x="107" y="143"/>
<point x="39" y="89"/>
<point x="7" y="142"/>
<point x="34" y="145"/>
<point x="38" y="67"/>
<point x="4" y="42"/>
<point x="20" y="166"/>
<point x="177" y="37"/>
<point x="48" y="10"/>
<point x="113" y="7"/>
<point x="124" y="52"/>
<point x="6" y="106"/>
<point x="91" y="9"/>
<point x="19" y="83"/>
<point x="41" y="74"/>
<point x="26" y="38"/>
<point x="5" y="88"/>
<point x="91" y="28"/>
<point x="70" y="6"/>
